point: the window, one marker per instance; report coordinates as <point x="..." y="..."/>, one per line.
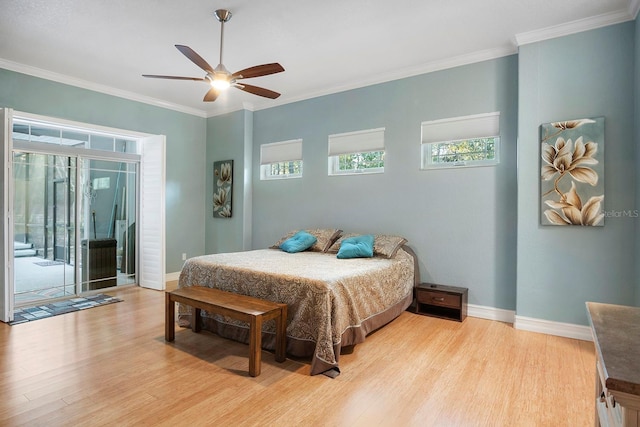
<point x="68" y="136"/>
<point x="280" y="160"/>
<point x="357" y="152"/>
<point x="461" y="141"/>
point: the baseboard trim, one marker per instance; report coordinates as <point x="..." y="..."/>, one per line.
<point x="568" y="330"/>
<point x="490" y="313"/>
<point x="169" y="277"/>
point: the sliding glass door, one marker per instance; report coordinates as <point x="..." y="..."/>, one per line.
<point x="108" y="227"/>
<point x="74" y="225"/>
<point x="74" y="212"/>
<point x="44" y="225"/>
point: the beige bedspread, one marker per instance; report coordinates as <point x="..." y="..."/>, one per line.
<point x="332" y="302"/>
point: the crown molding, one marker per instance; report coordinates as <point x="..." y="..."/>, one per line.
<point x="429" y="67"/>
<point x="246" y="105"/>
<point x="72" y="81"/>
<point x="577" y="26"/>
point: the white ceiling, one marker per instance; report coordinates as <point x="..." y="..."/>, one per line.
<point x="325" y="46"/>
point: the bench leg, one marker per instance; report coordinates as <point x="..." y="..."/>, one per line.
<point x="196" y="321"/>
<point x="281" y="335"/>
<point x="169" y="317"/>
<point x="255" y="345"/>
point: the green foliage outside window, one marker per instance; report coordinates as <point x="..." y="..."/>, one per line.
<point x="361" y="161"/>
<point x="463" y="151"/>
<point x="286" y="168"/>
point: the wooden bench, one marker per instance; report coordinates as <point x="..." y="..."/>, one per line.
<point x="241" y="307"/>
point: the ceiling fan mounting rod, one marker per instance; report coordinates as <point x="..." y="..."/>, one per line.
<point x="223" y="16"/>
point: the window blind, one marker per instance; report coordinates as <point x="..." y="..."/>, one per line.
<point x="356" y="142"/>
<point x="285" y="151"/>
<point x="460" y="128"/>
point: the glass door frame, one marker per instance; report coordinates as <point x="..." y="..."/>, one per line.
<point x="62" y="184"/>
<point x="82" y="156"/>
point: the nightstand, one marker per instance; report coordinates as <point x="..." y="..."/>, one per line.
<point x="448" y="302"/>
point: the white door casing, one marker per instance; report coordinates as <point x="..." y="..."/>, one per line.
<point x="151" y="233"/>
<point x="6" y="252"/>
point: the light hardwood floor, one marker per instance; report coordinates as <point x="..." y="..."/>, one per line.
<point x="111" y="366"/>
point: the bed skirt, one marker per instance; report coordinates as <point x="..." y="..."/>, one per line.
<point x="304" y="348"/>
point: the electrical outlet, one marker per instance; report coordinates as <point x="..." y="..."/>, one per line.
<point x="184" y="256"/>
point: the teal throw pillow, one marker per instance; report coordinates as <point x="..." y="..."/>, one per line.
<point x="301" y="241"/>
<point x="357" y="247"/>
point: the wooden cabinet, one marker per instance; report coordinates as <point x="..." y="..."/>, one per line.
<point x="449" y="302"/>
<point x="616" y="335"/>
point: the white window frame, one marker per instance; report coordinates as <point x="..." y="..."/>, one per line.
<point x="358" y="142"/>
<point x="282" y="152"/>
<point x="93" y="136"/>
<point x="456" y="130"/>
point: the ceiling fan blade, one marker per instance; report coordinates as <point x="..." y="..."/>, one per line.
<point x="195" y="58"/>
<point x="212" y="95"/>
<point x="260" y="91"/>
<point x="154" y="76"/>
<point x="258" y="70"/>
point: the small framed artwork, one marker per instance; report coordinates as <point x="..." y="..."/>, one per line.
<point x="572" y="172"/>
<point x="222" y="188"/>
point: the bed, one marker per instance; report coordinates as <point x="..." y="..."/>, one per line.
<point x="332" y="303"/>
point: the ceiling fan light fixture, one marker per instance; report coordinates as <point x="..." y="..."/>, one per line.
<point x="220" y="78"/>
<point x="220" y="83"/>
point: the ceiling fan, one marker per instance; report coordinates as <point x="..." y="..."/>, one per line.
<point x="220" y="78"/>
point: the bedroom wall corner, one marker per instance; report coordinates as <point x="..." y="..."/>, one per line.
<point x="228" y="136"/>
<point x="247" y="176"/>
<point x="583" y="75"/>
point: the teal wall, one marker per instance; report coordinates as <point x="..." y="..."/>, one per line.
<point x="226" y="139"/>
<point x="559" y="268"/>
<point x="185" y="149"/>
<point x="461" y="222"/>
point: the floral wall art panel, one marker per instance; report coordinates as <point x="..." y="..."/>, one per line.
<point x="222" y="188"/>
<point x="572" y="172"/>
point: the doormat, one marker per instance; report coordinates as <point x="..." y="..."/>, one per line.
<point x="29" y="314"/>
<point x="48" y="263"/>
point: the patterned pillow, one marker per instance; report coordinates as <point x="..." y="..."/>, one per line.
<point x="325" y="238"/>
<point x="387" y="246"/>
<point x="384" y="245"/>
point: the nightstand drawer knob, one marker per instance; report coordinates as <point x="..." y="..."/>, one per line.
<point x="439" y="299"/>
